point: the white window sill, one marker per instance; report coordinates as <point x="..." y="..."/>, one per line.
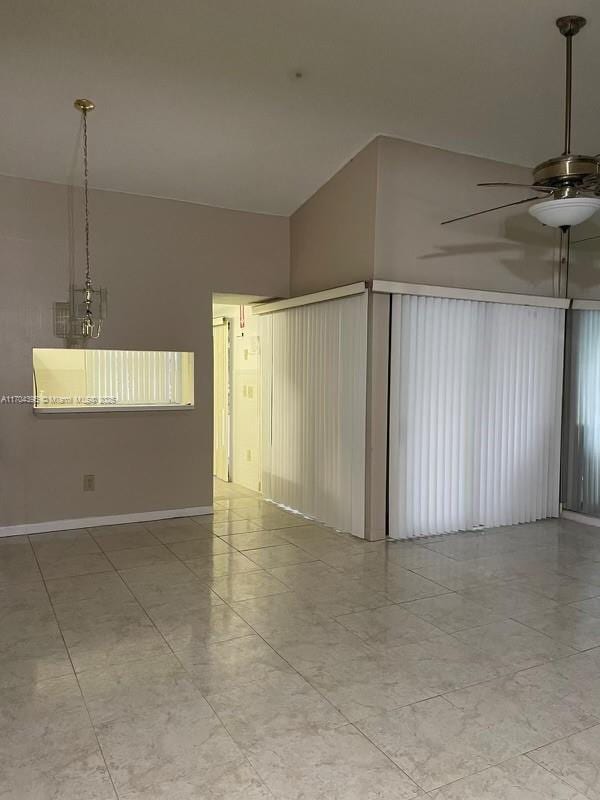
<point x="102" y="409"/>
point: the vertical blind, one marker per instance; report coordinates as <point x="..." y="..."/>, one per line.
<point x="582" y="440"/>
<point x="314" y="371"/>
<point x="135" y="377"/>
<point x="475" y="403"/>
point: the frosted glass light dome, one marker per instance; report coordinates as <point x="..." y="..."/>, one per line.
<point x="566" y="212"/>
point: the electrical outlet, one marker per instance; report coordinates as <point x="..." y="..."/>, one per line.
<point x="248" y="455"/>
<point x="89" y="483"/>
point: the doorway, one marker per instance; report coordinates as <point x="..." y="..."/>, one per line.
<point x="221" y="395"/>
<point x="237" y="418"/>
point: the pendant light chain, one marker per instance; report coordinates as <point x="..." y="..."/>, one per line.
<point x="93" y="299"/>
<point x="88" y="279"/>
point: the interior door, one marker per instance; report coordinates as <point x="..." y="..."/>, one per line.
<point x="221" y="446"/>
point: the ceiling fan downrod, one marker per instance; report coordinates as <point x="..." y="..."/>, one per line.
<point x="569" y="26"/>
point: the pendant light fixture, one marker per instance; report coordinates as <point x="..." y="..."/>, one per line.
<point x="88" y="304"/>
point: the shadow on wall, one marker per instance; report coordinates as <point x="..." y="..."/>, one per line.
<point x="585" y="262"/>
<point x="519" y="234"/>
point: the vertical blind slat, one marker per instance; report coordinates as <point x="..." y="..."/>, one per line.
<point x="475" y="414"/>
<point x="314" y="367"/>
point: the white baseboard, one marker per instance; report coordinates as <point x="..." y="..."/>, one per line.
<point x="95" y="522"/>
<point x="575" y="516"/>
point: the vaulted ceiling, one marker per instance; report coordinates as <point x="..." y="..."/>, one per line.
<point x="254" y="104"/>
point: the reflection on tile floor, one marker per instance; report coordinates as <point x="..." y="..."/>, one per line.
<point x="249" y="655"/>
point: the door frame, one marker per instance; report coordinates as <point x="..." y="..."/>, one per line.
<point x="217" y="322"/>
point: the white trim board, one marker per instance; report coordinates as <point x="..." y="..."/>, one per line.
<point x="392" y="287"/>
<point x="584" y="519"/>
<point x="307" y="299"/>
<point x="103" y="409"/>
<point x="96" y="522"/>
<point x="586" y="305"/>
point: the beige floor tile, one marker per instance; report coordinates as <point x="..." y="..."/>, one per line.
<point x="400" y="585"/>
<point x="366" y="685"/>
<point x="432" y="680"/>
<point x="467" y="546"/>
<point x="436" y="742"/>
<point x="235" y="780"/>
<point x="322" y="765"/>
<point x="278" y="556"/>
<point x="290" y="610"/>
<point x="272" y="522"/>
<point x="510" y="600"/>
<point x="233" y="527"/>
<point x="245" y="504"/>
<point x="137" y="689"/>
<point x="107" y="587"/>
<point x="51" y="546"/>
<point x="254" y="540"/>
<point x="221" y="515"/>
<point x="187" y="592"/>
<point x="513" y="645"/>
<point x="189" y="638"/>
<point x="17" y="562"/>
<point x="588" y="571"/>
<point x="389" y="625"/>
<point x="561" y="588"/>
<point x="122" y="537"/>
<point x="454" y="575"/>
<point x="542" y="714"/>
<point x="174" y="601"/>
<point x="67" y="553"/>
<point x="442" y="663"/>
<point x="199" y="548"/>
<point x="516" y="779"/>
<point x="97" y="639"/>
<point x="306" y="645"/>
<point x="86" y="564"/>
<point x="575" y="760"/>
<point x="164" y="574"/>
<point x="160" y="746"/>
<point x="567" y="625"/>
<point x="452" y="612"/>
<point x="140" y="557"/>
<point x="591" y="606"/>
<point x="247" y="585"/>
<point x="228" y="665"/>
<point x="323" y="586"/>
<point x="180" y="529"/>
<point x="49" y="749"/>
<point x="279" y="703"/>
<point x="576" y="680"/>
<point x="33" y="659"/>
<point x="214" y="566"/>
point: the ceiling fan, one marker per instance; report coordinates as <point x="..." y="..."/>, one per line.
<point x="570" y="182"/>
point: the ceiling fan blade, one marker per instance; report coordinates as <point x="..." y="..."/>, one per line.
<point x="521" y="185"/>
<point x="587" y="239"/>
<point x="487" y="210"/>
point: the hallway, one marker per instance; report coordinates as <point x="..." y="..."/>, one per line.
<point x="251" y="655"/>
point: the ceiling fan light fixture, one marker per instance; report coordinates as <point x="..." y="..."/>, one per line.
<point x="565" y="212"/>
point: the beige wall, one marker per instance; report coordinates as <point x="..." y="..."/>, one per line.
<point x="584" y="271"/>
<point x="379" y="217"/>
<point x="420" y="186"/>
<point x="332" y="235"/>
<point x="160" y="260"/>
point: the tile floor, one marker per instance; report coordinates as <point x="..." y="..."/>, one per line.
<point x="252" y="655"/>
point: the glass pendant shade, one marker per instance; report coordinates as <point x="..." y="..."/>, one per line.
<point x="566" y="212"/>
